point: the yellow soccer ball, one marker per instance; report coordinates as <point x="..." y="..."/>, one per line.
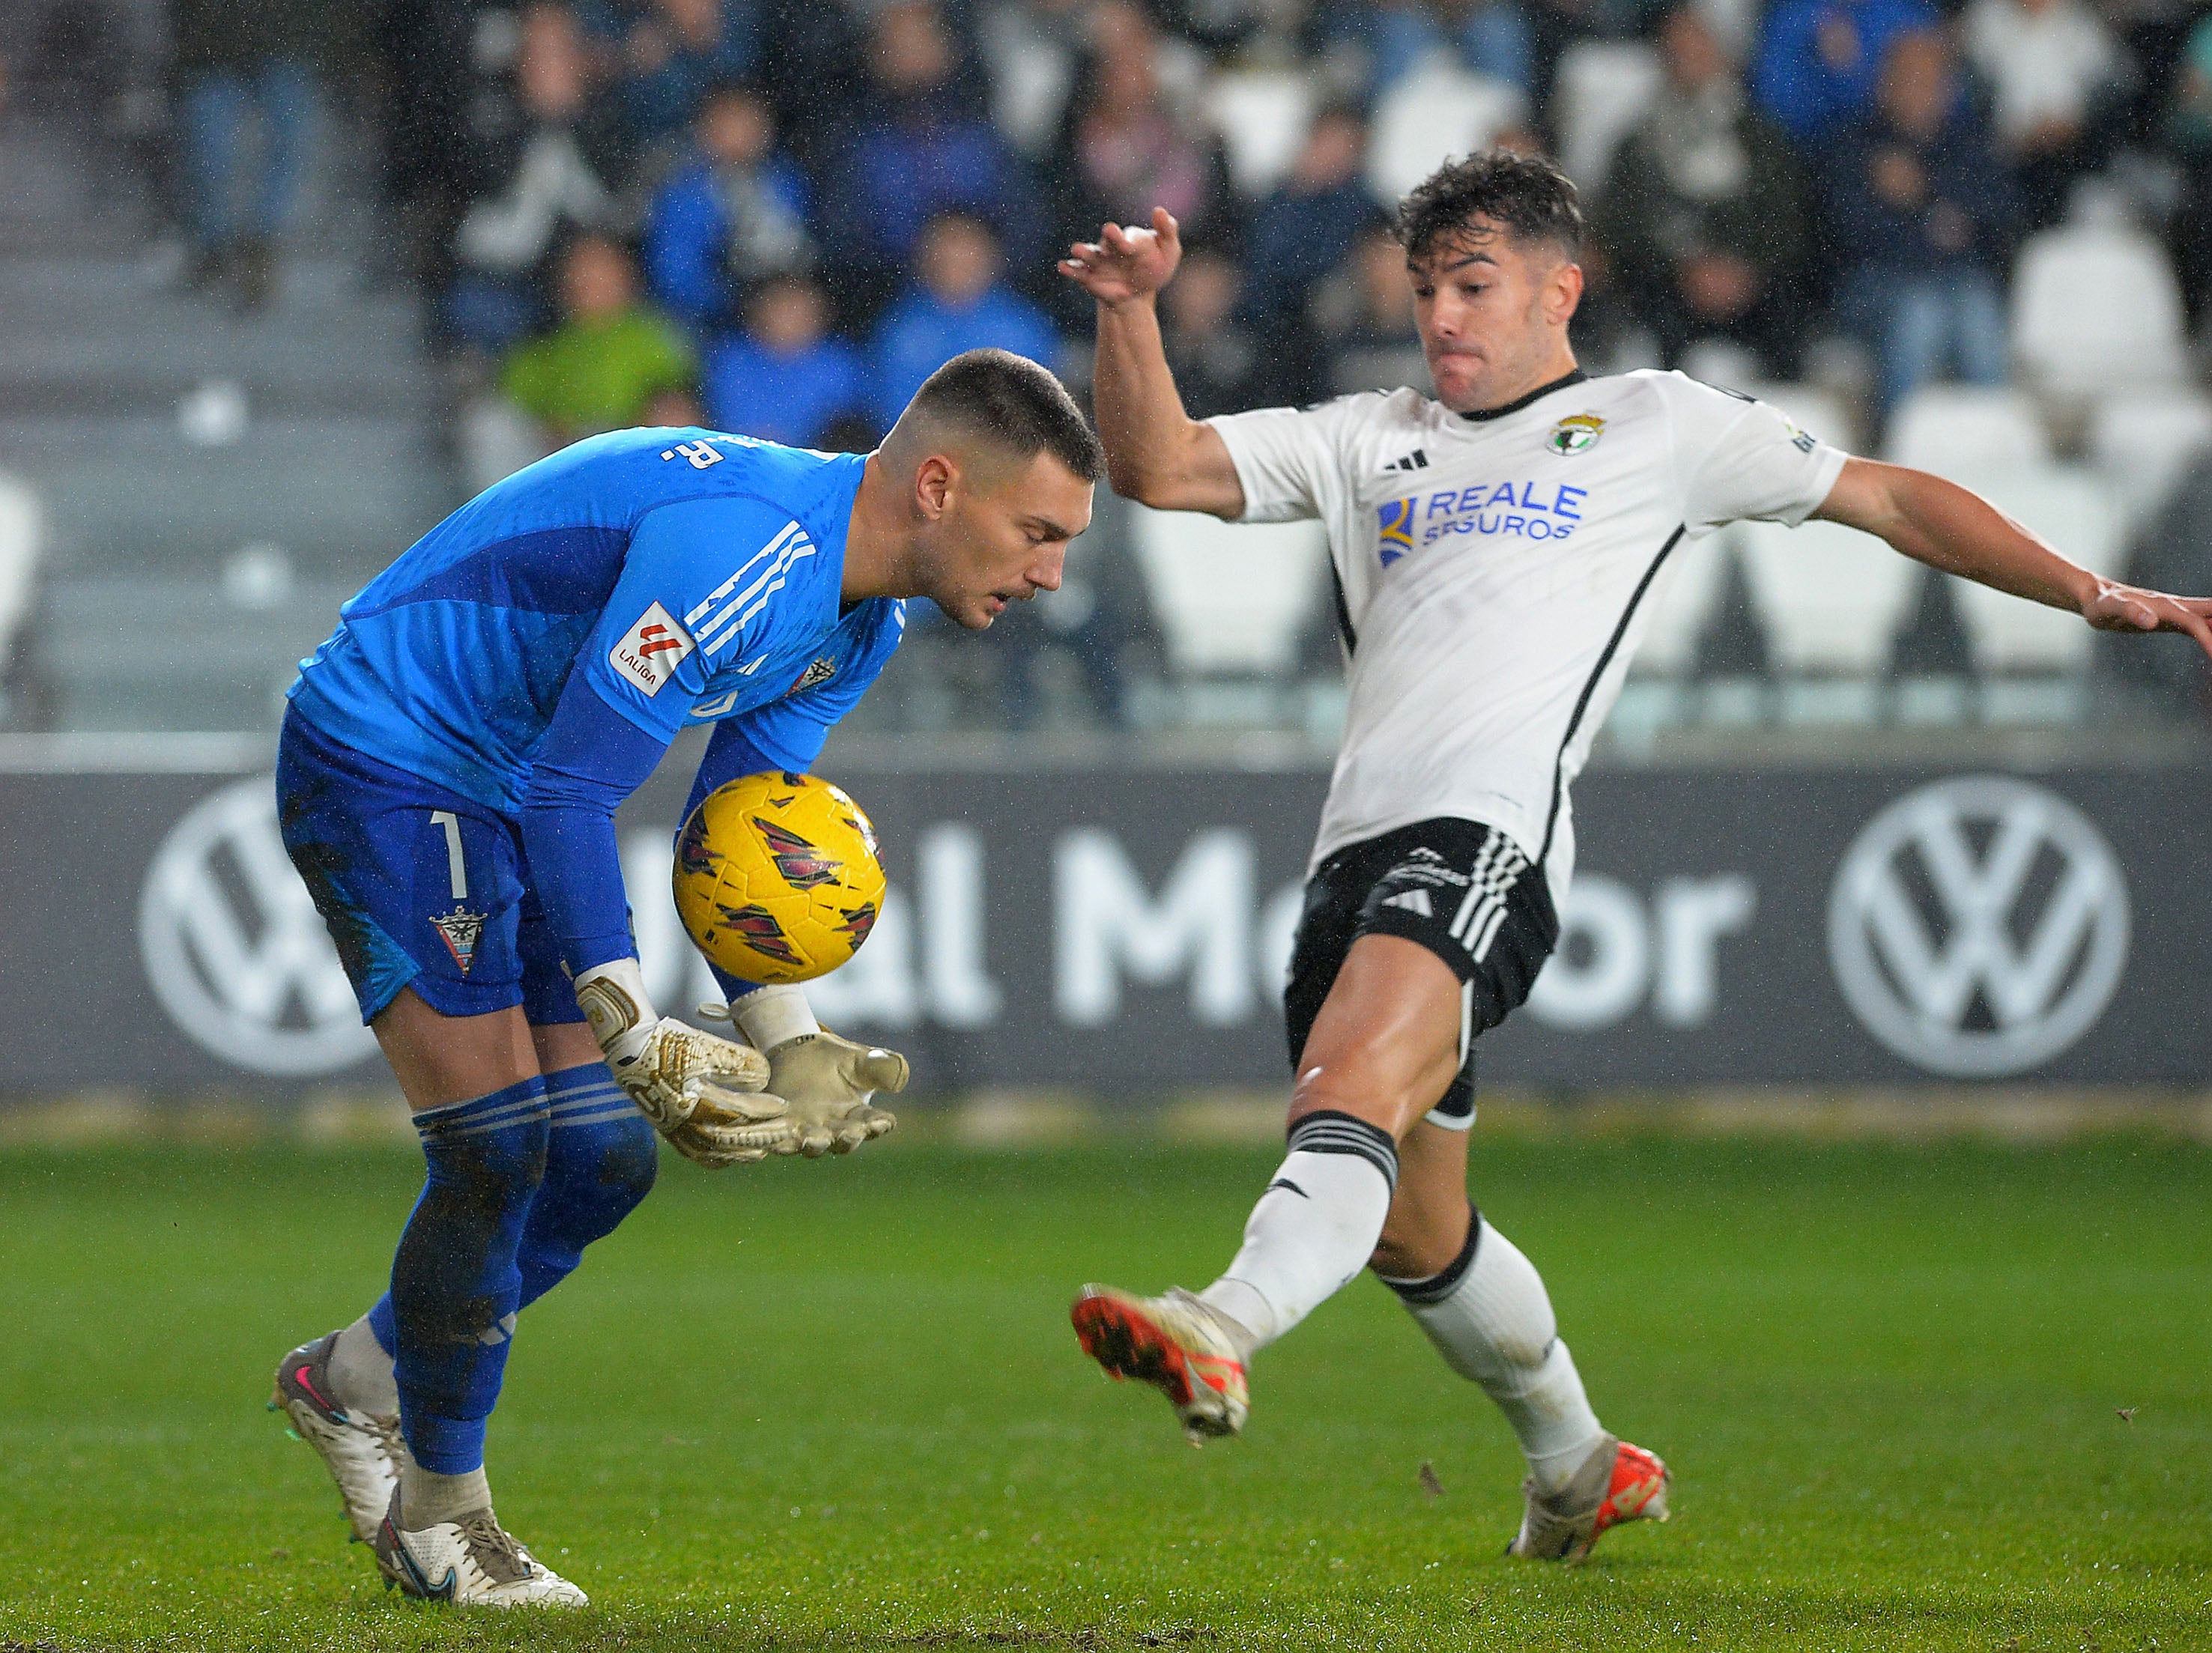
<point x="776" y="877"/>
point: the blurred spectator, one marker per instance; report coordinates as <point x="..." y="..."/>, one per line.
<point x="1032" y="47"/>
<point x="1702" y="216"/>
<point x="1220" y="365"/>
<point x="1364" y="315"/>
<point x="236" y="62"/>
<point x="547" y="162"/>
<point x="1131" y="145"/>
<point x="959" y="305"/>
<point x="1308" y="226"/>
<point x="2053" y="70"/>
<point x="611" y="363"/>
<point x="919" y="148"/>
<point x="785" y="377"/>
<point x="670" y="52"/>
<point x="1437" y="112"/>
<point x="432" y="62"/>
<point x="2191" y="126"/>
<point x="733" y="213"/>
<point x="1923" y="211"/>
<point x="1490" y="38"/>
<point x="1819" y="60"/>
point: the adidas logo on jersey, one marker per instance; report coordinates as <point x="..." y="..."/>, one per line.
<point x="1417" y="460"/>
<point x="1413" y="900"/>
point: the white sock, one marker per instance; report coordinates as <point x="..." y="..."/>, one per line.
<point x="1313" y="1230"/>
<point x="429" y="1499"/>
<point x="1492" y="1320"/>
<point x="362" y="1377"/>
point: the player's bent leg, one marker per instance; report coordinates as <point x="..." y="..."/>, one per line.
<point x="1482" y="1303"/>
<point x="362" y="1447"/>
<point x="340" y="1391"/>
<point x="601" y="1158"/>
<point x="1380" y="1054"/>
<point x="468" y="1560"/>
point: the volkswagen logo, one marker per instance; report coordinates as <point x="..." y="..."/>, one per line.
<point x="235" y="949"/>
<point x="1978" y="926"/>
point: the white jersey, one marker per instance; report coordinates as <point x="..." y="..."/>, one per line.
<point x="1495" y="571"/>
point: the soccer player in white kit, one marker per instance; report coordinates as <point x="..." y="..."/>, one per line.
<point x="1498" y="549"/>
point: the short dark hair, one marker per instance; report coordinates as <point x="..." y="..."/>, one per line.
<point x="1013" y="402"/>
<point x="1526" y="193"/>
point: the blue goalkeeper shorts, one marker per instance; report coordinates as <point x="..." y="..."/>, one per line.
<point x="421" y="888"/>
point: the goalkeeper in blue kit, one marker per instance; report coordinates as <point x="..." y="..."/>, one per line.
<point x="446" y="780"/>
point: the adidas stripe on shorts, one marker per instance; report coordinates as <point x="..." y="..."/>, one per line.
<point x="1465" y="891"/>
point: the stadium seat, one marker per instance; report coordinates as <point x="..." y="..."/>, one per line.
<point x="1954" y="428"/>
<point x="1230" y="598"/>
<point x="2094" y="306"/>
<point x="1830" y="598"/>
<point x="1683" y="607"/>
<point x="1435" y="112"/>
<point x="1262" y="116"/>
<point x="2143" y="441"/>
<point x="2071" y="508"/>
<point x="22" y="540"/>
<point x="1603" y="89"/>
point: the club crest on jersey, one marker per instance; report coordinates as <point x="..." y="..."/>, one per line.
<point x="820" y="671"/>
<point x="1394" y="534"/>
<point x="1576" y="433"/>
<point x="647" y="656"/>
<point x="461" y="930"/>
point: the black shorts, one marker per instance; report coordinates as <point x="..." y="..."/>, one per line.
<point x="1463" y="890"/>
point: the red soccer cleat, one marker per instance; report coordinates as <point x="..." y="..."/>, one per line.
<point x="1618" y="1483"/>
<point x="1176" y="1344"/>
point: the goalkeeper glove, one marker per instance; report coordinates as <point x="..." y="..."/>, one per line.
<point x="824" y="1081"/>
<point x="701" y="1091"/>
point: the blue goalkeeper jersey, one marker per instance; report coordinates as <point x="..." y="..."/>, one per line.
<point x="690" y="576"/>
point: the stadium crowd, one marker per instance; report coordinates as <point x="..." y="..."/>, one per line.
<point x="778" y="216"/>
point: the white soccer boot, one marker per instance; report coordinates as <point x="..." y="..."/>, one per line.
<point x="471" y="1563"/>
<point x="1175" y="1343"/>
<point x="1617" y="1483"/>
<point x="362" y="1451"/>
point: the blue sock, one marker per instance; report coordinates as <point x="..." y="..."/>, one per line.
<point x="455" y="1287"/>
<point x="600" y="1159"/>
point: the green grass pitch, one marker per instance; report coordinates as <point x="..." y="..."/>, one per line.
<point x="838" y="1405"/>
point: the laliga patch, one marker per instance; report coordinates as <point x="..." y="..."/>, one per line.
<point x="647" y="654"/>
<point x="1576" y="433"/>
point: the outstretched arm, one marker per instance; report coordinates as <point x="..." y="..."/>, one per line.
<point x="1947" y="527"/>
<point x="1156" y="453"/>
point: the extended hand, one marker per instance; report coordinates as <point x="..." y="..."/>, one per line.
<point x="1126" y="264"/>
<point x="2115" y="607"/>
<point x="826" y="1082"/>
<point x="700" y="1090"/>
<point x="703" y="1093"/>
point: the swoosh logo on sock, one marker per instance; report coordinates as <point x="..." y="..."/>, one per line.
<point x="1285" y="1183"/>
